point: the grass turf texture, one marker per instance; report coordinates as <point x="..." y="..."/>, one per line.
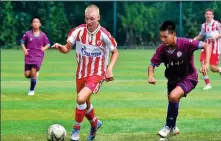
<point x="130" y="108"/>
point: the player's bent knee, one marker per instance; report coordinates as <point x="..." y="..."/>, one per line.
<point x="174" y="98"/>
<point x="213" y="68"/>
<point x="33" y="75"/>
<point x="27" y="75"/>
<point x="81" y="99"/>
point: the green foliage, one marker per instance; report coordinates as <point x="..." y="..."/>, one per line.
<point x="58" y="22"/>
<point x="7" y="28"/>
<point x="137" y="22"/>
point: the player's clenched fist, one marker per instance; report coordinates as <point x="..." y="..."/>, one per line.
<point x="109" y="75"/>
<point x="26" y="52"/>
<point x="151" y="80"/>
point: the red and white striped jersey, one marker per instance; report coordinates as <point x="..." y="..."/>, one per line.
<point x="92" y="50"/>
<point x="212" y="29"/>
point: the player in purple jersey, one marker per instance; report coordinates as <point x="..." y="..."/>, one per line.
<point x="177" y="55"/>
<point x="34" y="43"/>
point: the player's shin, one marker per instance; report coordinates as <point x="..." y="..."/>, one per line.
<point x="79" y="115"/>
<point x="90" y="115"/>
<point x="172" y="113"/>
<point x="33" y="83"/>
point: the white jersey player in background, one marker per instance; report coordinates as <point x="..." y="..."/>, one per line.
<point x="211" y="31"/>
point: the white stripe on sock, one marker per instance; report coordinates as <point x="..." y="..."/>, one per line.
<point x="90" y="109"/>
<point x="82" y="106"/>
<point x="91" y="121"/>
<point x="77" y="123"/>
<point x="206" y="77"/>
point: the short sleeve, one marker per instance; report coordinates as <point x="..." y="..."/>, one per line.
<point x="194" y="45"/>
<point x="72" y="36"/>
<point x="110" y="41"/>
<point x="46" y="41"/>
<point x="202" y="31"/>
<point x="219" y="27"/>
<point x="24" y="38"/>
<point x="156" y="60"/>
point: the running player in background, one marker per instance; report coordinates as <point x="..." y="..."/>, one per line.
<point x="177" y="55"/>
<point x="211" y="31"/>
<point x="93" y="43"/>
<point x="34" y="43"/>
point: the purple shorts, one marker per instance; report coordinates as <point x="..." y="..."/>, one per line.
<point x="187" y="85"/>
<point x="30" y="66"/>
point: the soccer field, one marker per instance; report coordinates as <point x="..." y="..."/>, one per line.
<point x="130" y="108"/>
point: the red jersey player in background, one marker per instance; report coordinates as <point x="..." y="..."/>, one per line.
<point x="93" y="44"/>
<point x="211" y="30"/>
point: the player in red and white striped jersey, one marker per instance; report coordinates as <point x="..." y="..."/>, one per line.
<point x="211" y="31"/>
<point x="93" y="44"/>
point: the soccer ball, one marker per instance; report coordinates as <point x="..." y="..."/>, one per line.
<point x="56" y="132"/>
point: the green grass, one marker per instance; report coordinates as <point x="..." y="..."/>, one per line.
<point x="130" y="108"/>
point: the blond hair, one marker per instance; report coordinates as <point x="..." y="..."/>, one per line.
<point x="92" y="6"/>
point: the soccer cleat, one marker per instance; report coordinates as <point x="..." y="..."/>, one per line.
<point x="164" y="132"/>
<point x="207" y="87"/>
<point x="31" y="93"/>
<point x="163" y="139"/>
<point x="93" y="131"/>
<point x="75" y="135"/>
<point x="174" y="131"/>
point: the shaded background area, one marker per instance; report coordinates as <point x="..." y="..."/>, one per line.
<point x="134" y="24"/>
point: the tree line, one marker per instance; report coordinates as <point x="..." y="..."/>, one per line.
<point x="137" y="22"/>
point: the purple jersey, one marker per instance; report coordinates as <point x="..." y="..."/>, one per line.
<point x="34" y="44"/>
<point x="179" y="62"/>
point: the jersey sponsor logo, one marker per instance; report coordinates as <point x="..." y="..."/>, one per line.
<point x="190" y="40"/>
<point x="30" y="39"/>
<point x="174" y="63"/>
<point x="87" y="53"/>
<point x="179" y="54"/>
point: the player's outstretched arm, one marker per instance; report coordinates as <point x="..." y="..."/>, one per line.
<point x="63" y="48"/>
<point x="109" y="72"/>
<point x="151" y="79"/>
<point x="205" y="67"/>
<point x="199" y="37"/>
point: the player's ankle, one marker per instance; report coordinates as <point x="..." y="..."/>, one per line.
<point x="77" y="127"/>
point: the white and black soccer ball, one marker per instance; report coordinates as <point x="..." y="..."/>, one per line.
<point x="56" y="132"/>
